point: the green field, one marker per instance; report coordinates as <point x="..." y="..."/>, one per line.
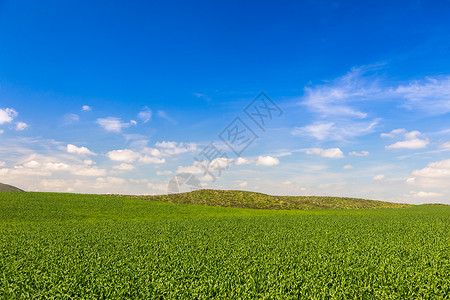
<point x="88" y="246"/>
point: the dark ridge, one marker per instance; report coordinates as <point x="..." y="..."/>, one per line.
<point x="9" y="188"/>
<point x="244" y="199"/>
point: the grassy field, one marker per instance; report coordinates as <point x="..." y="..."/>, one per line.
<point x="87" y="246"/>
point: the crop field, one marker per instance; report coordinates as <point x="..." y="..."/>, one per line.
<point x="91" y="246"/>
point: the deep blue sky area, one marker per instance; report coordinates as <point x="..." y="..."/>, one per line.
<point x="343" y="72"/>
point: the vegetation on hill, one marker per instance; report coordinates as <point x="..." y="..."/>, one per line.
<point x="244" y="199"/>
<point x="72" y="246"/>
<point x="9" y="188"/>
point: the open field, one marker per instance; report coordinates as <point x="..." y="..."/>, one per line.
<point x="68" y="245"/>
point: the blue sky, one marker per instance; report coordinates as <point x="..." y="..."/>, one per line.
<point x="114" y="97"/>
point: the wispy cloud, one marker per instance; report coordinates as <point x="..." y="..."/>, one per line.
<point x="431" y="95"/>
<point x="112" y="124"/>
<point x="145" y="115"/>
<point x="164" y="115"/>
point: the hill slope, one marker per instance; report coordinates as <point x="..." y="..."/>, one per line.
<point x="9" y="188"/>
<point x="244" y="199"/>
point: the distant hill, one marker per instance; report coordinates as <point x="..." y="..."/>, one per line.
<point x="244" y="199"/>
<point x="9" y="188"/>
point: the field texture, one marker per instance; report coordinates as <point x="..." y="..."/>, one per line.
<point x="86" y="246"/>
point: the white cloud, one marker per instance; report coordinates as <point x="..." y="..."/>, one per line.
<point x="242" y="184"/>
<point x="394" y="133"/>
<point x="412" y="140"/>
<point x="51" y="166"/>
<point x="348" y="167"/>
<point x="445" y="145"/>
<point x="334" y="99"/>
<point x="435" y="174"/>
<point x="112" y="124"/>
<point x="151" y="160"/>
<point x="379" y="177"/>
<point x="32" y="164"/>
<point x="267" y="161"/>
<point x="423" y="194"/>
<point x="145" y="115"/>
<point x="86" y="108"/>
<point x="341" y="130"/>
<point x="7" y="115"/>
<point x="170" y="148"/>
<point x="194" y="169"/>
<point x="88" y="162"/>
<point x="21" y="126"/>
<point x="166" y="172"/>
<point x="2" y="163"/>
<point x="409" y="144"/>
<point x="88" y="171"/>
<point x="362" y="153"/>
<point x="431" y="94"/>
<point x="287" y="182"/>
<point x="125" y="155"/>
<point x="164" y="115"/>
<point x="79" y="150"/>
<point x="71" y="118"/>
<point x="124" y="167"/>
<point x="242" y="161"/>
<point x="1" y="131"/>
<point x="328" y="153"/>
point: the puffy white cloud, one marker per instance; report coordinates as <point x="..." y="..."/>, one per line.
<point x="242" y="184"/>
<point x="194" y="169"/>
<point x="267" y="161"/>
<point x="125" y="155"/>
<point x="435" y="174"/>
<point x="362" y="153"/>
<point x="86" y="108"/>
<point x="21" y="126"/>
<point x="32" y="164"/>
<point x="379" y="177"/>
<point x="124" y="167"/>
<point x="2" y="163"/>
<point x="328" y="153"/>
<point x="412" y="140"/>
<point x="79" y="150"/>
<point x="242" y="161"/>
<point x="348" y="167"/>
<point x="7" y="115"/>
<point x="88" y="171"/>
<point x="112" y="124"/>
<point x="145" y="115"/>
<point x="151" y="160"/>
<point x="423" y="194"/>
<point x="409" y="144"/>
<point x="51" y="166"/>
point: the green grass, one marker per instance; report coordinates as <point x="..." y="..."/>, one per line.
<point x="244" y="199"/>
<point x="90" y="246"/>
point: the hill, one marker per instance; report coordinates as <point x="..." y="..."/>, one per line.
<point x="244" y="199"/>
<point x="9" y="188"/>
